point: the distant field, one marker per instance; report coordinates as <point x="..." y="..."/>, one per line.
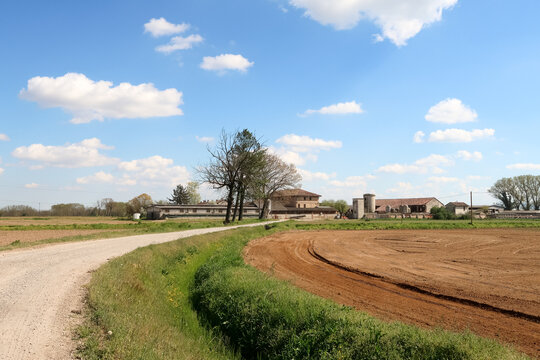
<point x="17" y="232"/>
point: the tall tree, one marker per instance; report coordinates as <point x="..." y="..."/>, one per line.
<point x="138" y="204"/>
<point x="504" y="190"/>
<point x="179" y="196"/>
<point x="340" y="205"/>
<point x="274" y="175"/>
<point x="228" y="158"/>
<point x="192" y="189"/>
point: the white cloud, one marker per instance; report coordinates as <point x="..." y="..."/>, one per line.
<point x="83" y="154"/>
<point x="351" y="107"/>
<point x="311" y="176"/>
<point x="91" y="100"/>
<point x="204" y="139"/>
<point x="100" y="177"/>
<point x="419" y="137"/>
<point x="224" y="62"/>
<point x="443" y="179"/>
<point x="161" y="27"/>
<point x="31" y="186"/>
<point x="466" y="155"/>
<point x="399" y="20"/>
<point x="522" y="166"/>
<point x="431" y="163"/>
<point x="303" y="143"/>
<point x="180" y="43"/>
<point x="155" y="171"/>
<point x="451" y="111"/>
<point x="1" y="171"/>
<point x="291" y="157"/>
<point x="4" y="137"/>
<point x="460" y="135"/>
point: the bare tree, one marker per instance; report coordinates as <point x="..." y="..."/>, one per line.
<point x="228" y="161"/>
<point x="274" y="175"/>
<point x="519" y="192"/>
<point x="504" y="190"/>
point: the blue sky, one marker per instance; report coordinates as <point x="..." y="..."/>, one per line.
<point x="402" y="98"/>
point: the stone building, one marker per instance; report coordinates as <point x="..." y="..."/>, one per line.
<point x="299" y="203"/>
<point x="156" y="212"/>
<point x="457" y="207"/>
<point x="415" y="205"/>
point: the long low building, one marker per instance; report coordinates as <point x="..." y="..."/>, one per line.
<point x="155" y="212"/>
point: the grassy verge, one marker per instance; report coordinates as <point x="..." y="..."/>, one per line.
<point x="112" y="230"/>
<point x="154" y="300"/>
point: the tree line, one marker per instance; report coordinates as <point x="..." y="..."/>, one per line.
<point x="518" y="192"/>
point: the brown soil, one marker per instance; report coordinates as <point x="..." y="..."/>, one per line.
<point x="7" y="237"/>
<point x="487" y="281"/>
<point x="60" y="220"/>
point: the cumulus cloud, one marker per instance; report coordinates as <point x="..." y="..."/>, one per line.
<point x="419" y="137"/>
<point x="152" y="171"/>
<point x="460" y="135"/>
<point x="1" y="171"/>
<point x="204" y="139"/>
<point x="89" y="100"/>
<point x="4" y="137"/>
<point x="31" y="186"/>
<point x="345" y="108"/>
<point x="466" y="155"/>
<point x="224" y="62"/>
<point x="399" y="20"/>
<point x="83" y="154"/>
<point x="298" y="149"/>
<point x="161" y="27"/>
<point x="180" y="43"/>
<point x="311" y="176"/>
<point x="451" y="111"/>
<point x="403" y="188"/>
<point x="303" y="143"/>
<point x="522" y="166"/>
<point x="431" y="163"/>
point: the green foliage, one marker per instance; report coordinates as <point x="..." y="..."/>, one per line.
<point x="340" y="205"/>
<point x="265" y="318"/>
<point x="442" y="213"/>
<point x="179" y="196"/>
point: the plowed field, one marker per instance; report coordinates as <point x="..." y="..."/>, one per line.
<point x="487" y="281"/>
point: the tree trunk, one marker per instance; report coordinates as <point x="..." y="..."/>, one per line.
<point x="236" y="205"/>
<point x="230" y="197"/>
<point x="265" y="209"/>
<point x="241" y="196"/>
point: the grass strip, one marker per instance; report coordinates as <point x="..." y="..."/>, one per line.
<point x="266" y="318"/>
<point x="139" y="305"/>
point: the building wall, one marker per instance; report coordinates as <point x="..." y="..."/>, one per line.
<point x="457" y="210"/>
<point x="303" y="202"/>
<point x="433" y="203"/>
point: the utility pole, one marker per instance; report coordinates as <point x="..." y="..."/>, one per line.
<point x="471" y="210"/>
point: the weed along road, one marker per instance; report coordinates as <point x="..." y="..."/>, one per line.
<point x="41" y="291"/>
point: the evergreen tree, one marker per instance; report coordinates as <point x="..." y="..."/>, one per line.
<point x="180" y="196"/>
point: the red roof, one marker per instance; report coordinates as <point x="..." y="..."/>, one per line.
<point x="458" y="203"/>
<point x="395" y="203"/>
<point x="294" y="192"/>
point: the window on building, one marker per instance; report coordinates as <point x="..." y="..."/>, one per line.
<point x="304" y="206"/>
<point x="194" y="210"/>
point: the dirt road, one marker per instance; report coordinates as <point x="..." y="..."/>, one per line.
<point x="487" y="281"/>
<point x="41" y="291"/>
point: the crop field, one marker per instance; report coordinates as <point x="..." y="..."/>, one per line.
<point x="483" y="280"/>
<point x="17" y="232"/>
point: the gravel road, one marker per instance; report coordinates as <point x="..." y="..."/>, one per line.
<point x="41" y="291"/>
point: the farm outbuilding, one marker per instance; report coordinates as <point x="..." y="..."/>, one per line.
<point x="457" y="207"/>
<point x="415" y="205"/>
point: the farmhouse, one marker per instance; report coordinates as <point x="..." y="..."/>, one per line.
<point x="299" y="203"/>
<point x="457" y="207"/>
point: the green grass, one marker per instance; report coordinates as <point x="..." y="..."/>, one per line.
<point x="147" y="299"/>
<point x="425" y="224"/>
<point x="143" y="299"/>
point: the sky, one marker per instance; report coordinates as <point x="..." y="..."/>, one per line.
<point x="400" y="98"/>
